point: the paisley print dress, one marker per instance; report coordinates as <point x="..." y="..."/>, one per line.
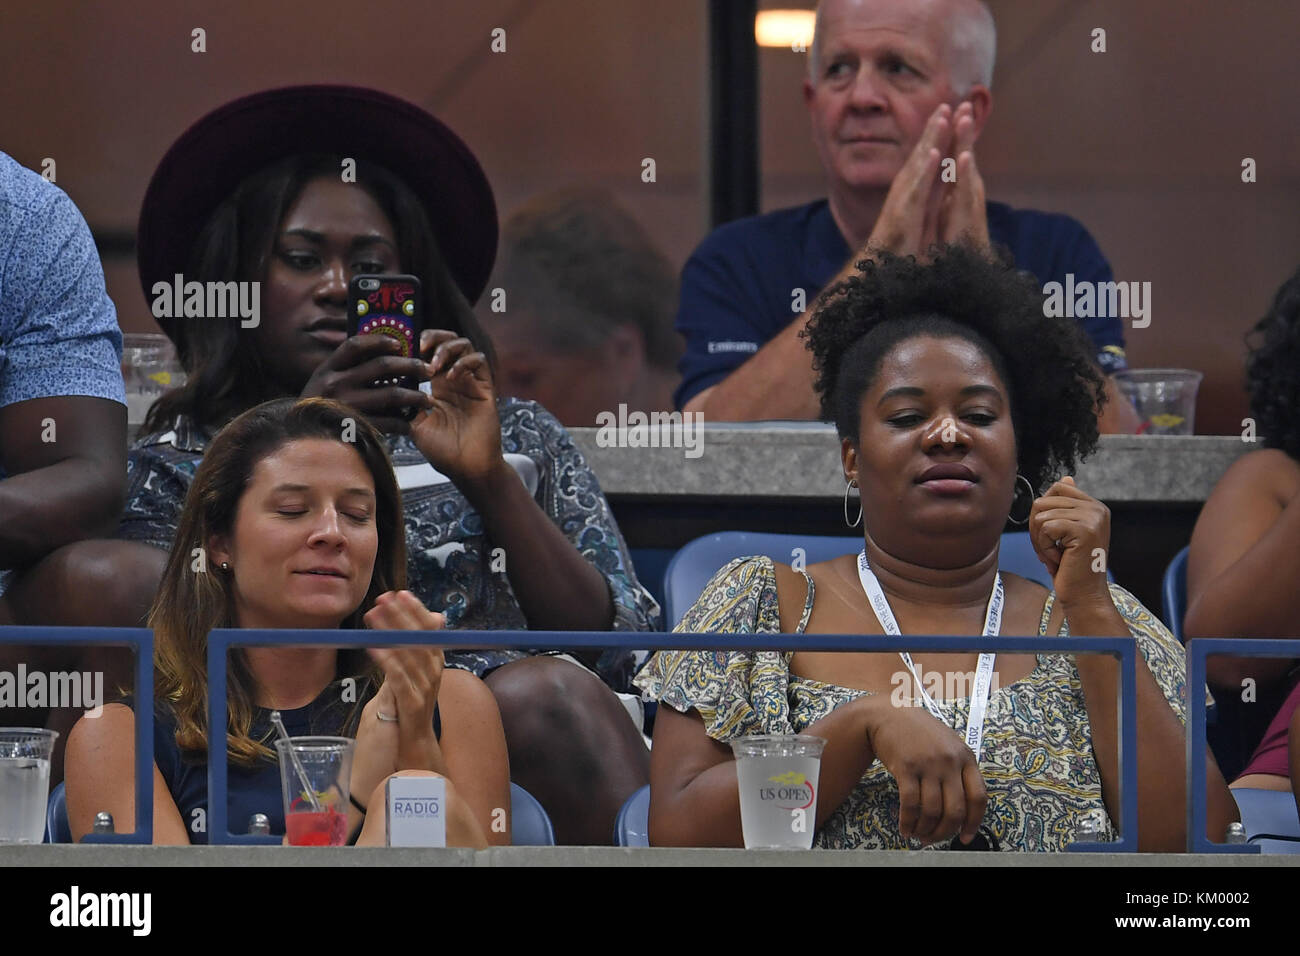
<point x="1037" y="758"/>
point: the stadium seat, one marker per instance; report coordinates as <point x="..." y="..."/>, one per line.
<point x="56" y="817"/>
<point x="530" y="825"/>
<point x="1173" y="594"/>
<point x="632" y="826"/>
<point x="1270" y="819"/>
<point x="650" y="564"/>
<point x="697" y="561"/>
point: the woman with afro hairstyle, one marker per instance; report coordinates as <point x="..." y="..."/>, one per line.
<point x="1243" y="565"/>
<point x="956" y="401"/>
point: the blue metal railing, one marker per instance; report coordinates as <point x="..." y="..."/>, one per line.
<point x="1123" y="648"/>
<point x="141" y="641"/>
<point x="1198" y="650"/>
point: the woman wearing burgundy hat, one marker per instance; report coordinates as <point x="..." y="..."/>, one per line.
<point x="299" y="189"/>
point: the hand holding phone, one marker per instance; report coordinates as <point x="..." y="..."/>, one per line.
<point x="377" y="369"/>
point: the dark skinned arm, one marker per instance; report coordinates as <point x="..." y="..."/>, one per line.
<point x="557" y="588"/>
<point x="459" y="432"/>
<point x="1241" y="569"/>
<point x="1069" y="530"/>
<point x="63" y="490"/>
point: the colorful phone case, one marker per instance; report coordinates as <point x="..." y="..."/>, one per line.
<point x="392" y="308"/>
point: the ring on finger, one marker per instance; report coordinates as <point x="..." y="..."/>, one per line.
<point x="385" y="717"/>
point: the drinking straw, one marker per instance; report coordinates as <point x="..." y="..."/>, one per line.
<point x="297" y="764"/>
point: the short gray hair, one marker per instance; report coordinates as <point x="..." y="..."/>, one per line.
<point x="972" y="46"/>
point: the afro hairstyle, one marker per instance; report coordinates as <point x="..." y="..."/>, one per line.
<point x="1055" y="386"/>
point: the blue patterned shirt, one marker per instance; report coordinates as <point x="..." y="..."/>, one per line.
<point x="449" y="556"/>
<point x="58" y="327"/>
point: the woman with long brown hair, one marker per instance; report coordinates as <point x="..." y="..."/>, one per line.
<point x="289" y="525"/>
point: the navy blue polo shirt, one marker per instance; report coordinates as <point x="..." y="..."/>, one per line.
<point x="738" y="289"/>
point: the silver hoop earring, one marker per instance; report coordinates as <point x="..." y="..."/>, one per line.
<point x="1025" y="519"/>
<point x="852" y="483"/>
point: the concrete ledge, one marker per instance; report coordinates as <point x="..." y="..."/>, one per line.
<point x="131" y="856"/>
<point x="801" y="460"/>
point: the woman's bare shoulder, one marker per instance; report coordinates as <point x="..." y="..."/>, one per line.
<point x="1268" y="470"/>
<point x="115" y="725"/>
<point x="842" y="568"/>
<point x="464" y="692"/>
<point x="111" y="715"/>
<point x="1027" y="599"/>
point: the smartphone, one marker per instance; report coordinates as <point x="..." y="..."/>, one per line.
<point x="387" y="305"/>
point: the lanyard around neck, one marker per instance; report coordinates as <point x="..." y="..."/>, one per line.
<point x="979" y="700"/>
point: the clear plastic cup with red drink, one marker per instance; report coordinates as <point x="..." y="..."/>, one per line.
<point x="315" y="777"/>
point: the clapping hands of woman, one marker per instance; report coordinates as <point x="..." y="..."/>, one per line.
<point x="396" y="730"/>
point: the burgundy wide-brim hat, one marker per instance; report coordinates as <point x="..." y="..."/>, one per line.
<point x="222" y="149"/>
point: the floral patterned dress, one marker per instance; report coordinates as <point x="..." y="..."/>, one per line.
<point x="1037" y="758"/>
